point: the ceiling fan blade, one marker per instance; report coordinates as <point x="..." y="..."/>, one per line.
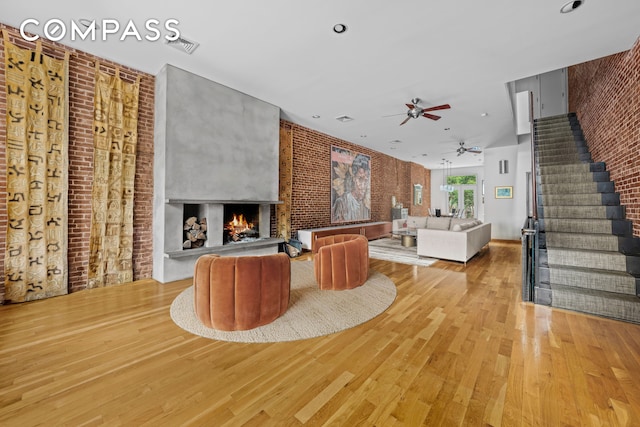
<point x="431" y="116"/>
<point x="393" y="115"/>
<point x="411" y="106"/>
<point x="405" y="120"/>
<point x="476" y="150"/>
<point x="439" y="107"/>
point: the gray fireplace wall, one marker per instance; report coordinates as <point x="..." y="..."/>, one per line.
<point x="212" y="143"/>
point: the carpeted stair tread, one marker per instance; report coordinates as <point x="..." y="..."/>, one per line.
<point x="600" y="260"/>
<point x="573" y="168"/>
<point x="544" y="159"/>
<point x="564" y="159"/>
<point x="566" y="138"/>
<point x="591" y="278"/>
<point x="560" y="149"/>
<point x="588" y="199"/>
<point x="593" y="226"/>
<point x="562" y="162"/>
<point x="577" y="187"/>
<point x="582" y="212"/>
<point x="554" y="132"/>
<point x="574" y="177"/>
<point x="601" y="242"/>
<point x="551" y="144"/>
<point x="607" y="304"/>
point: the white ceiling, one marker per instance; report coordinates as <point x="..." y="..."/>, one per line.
<point x="285" y="52"/>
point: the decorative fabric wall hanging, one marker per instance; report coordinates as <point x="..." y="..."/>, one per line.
<point x="115" y="140"/>
<point x="350" y="185"/>
<point x="37" y="174"/>
<point x="283" y="210"/>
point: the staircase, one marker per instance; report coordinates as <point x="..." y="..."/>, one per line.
<point x="589" y="259"/>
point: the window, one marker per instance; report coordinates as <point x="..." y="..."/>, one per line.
<point x="462" y="200"/>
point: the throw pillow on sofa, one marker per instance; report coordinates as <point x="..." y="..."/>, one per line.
<point x="414" y="222"/>
<point x="438" y="223"/>
<point x="465" y="225"/>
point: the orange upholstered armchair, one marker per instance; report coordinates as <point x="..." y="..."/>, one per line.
<point x="341" y="261"/>
<point x="239" y="293"/>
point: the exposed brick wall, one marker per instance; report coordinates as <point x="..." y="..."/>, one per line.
<point x="311" y="204"/>
<point x="605" y="94"/>
<point x="81" y="88"/>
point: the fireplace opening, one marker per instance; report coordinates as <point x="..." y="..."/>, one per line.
<point x="241" y="223"/>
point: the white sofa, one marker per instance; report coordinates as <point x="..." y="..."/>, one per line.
<point x="456" y="239"/>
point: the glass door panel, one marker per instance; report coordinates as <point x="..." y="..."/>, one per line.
<point x="469" y="203"/>
<point x="453" y="201"/>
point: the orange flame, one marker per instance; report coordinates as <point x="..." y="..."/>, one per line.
<point x="239" y="224"/>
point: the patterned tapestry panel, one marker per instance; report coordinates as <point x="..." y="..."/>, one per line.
<point x="350" y="185"/>
<point x="37" y="174"/>
<point x="115" y="139"/>
<point x="283" y="211"/>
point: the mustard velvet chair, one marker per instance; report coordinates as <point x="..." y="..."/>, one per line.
<point x="341" y="261"/>
<point x="240" y="293"/>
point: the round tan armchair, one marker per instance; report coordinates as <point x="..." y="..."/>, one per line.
<point x="341" y="261"/>
<point x="239" y="293"/>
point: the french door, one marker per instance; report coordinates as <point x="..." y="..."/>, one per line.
<point x="462" y="201"/>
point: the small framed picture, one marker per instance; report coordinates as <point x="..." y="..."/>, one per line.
<point x="504" y="192"/>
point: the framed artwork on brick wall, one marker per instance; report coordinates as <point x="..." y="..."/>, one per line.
<point x="350" y="186"/>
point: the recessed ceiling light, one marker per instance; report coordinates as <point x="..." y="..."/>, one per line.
<point x="344" y="118"/>
<point x="424" y="155"/>
<point x="339" y="28"/>
<point x="484" y="114"/>
<point x="315" y="116"/>
<point x="363" y="136"/>
<point x="447" y="128"/>
<point x="395" y="141"/>
<point x="571" y="6"/>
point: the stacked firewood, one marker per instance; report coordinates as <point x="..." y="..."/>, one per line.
<point x="195" y="233"/>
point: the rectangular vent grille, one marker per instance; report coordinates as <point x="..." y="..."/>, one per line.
<point x="184" y="45"/>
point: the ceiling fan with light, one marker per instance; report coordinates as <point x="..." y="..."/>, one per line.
<point x="462" y="149"/>
<point x="416" y="111"/>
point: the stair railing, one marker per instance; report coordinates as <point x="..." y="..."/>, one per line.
<point x="529" y="232"/>
<point x="529" y="240"/>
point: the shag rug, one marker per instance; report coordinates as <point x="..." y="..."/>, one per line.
<point x="311" y="313"/>
<point x="388" y="249"/>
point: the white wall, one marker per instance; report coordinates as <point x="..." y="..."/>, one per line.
<point x="506" y="215"/>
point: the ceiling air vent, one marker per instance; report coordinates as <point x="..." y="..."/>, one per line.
<point x="184" y="45"/>
<point x="344" y="119"/>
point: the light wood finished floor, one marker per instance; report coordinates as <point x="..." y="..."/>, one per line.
<point x="457" y="347"/>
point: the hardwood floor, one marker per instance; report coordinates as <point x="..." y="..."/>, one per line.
<point x="457" y="347"/>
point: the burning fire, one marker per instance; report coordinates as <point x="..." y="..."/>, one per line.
<point x="239" y="224"/>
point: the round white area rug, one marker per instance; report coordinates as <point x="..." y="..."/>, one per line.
<point x="311" y="313"/>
